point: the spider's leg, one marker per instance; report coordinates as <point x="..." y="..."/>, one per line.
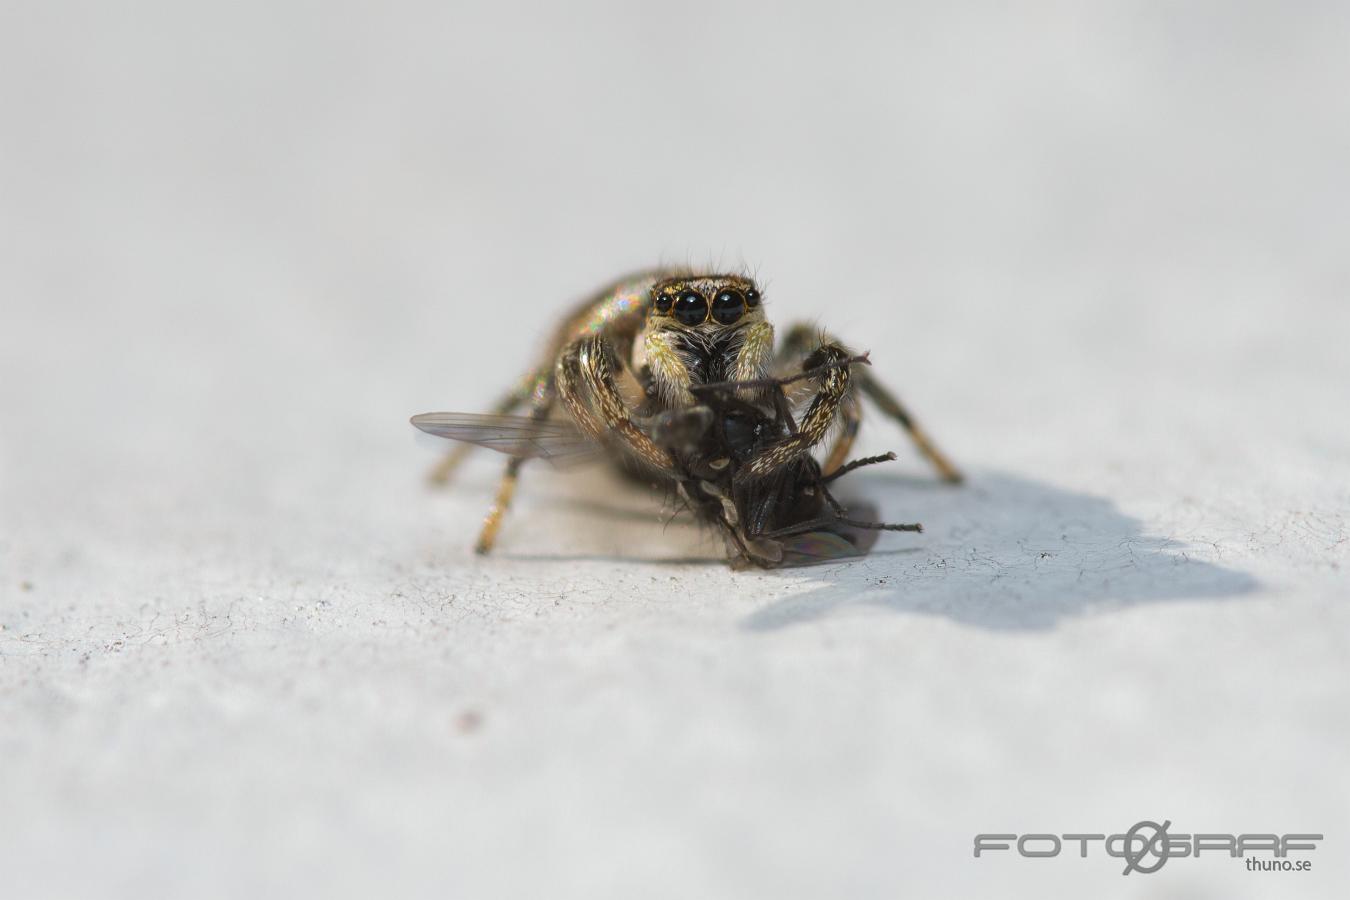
<point x="798" y="342"/>
<point x="889" y="404"/>
<point x="834" y="382"/>
<point x="508" y="403"/>
<point x="755" y="354"/>
<point x="586" y="385"/>
<point x="801" y="337"/>
<point x="563" y="384"/>
<point x="618" y="310"/>
<point x="545" y="396"/>
<point x="850" y="415"/>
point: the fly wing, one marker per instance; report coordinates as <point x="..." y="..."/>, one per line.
<point x="559" y="442"/>
<point x="819" y="547"/>
<point x="834" y="542"/>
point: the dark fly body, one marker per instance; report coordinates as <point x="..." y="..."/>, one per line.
<point x="676" y="376"/>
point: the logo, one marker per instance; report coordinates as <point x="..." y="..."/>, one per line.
<point x="1147" y="846"/>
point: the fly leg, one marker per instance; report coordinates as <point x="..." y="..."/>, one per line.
<point x="827" y="521"/>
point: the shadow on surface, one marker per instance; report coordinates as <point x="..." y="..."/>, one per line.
<point x="1005" y="553"/>
<point x="1001" y="552"/>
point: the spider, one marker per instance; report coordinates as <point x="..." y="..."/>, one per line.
<point x="675" y="376"/>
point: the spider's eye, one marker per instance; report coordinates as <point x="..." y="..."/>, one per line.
<point x="663" y="302"/>
<point x="728" y="306"/>
<point x="752" y="298"/>
<point x="691" y="308"/>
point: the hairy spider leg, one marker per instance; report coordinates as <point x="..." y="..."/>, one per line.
<point x="545" y="396"/>
<point x="508" y="403"/>
<point x="799" y="340"/>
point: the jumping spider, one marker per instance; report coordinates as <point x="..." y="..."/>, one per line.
<point x="674" y="376"/>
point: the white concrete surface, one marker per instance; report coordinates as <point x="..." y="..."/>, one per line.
<point x="243" y="653"/>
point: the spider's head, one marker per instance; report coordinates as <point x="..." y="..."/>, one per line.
<point x="707" y="304"/>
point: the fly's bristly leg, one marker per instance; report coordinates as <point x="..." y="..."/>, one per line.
<point x="828" y="521"/>
<point x="799" y="340"/>
<point x="857" y="464"/>
<point x="841" y="514"/>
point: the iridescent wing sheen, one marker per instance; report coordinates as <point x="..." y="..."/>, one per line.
<point x="818" y="547"/>
<point x="835" y="542"/>
<point x="558" y="441"/>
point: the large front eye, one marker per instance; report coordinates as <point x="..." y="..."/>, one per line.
<point x="728" y="306"/>
<point x="691" y="308"/>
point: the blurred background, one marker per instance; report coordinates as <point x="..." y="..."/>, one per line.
<point x="1100" y="249"/>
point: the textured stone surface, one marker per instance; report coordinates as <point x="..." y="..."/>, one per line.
<point x="243" y="652"/>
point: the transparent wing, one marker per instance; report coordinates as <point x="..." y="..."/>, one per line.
<point x="835" y="542"/>
<point x="560" y="442"/>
